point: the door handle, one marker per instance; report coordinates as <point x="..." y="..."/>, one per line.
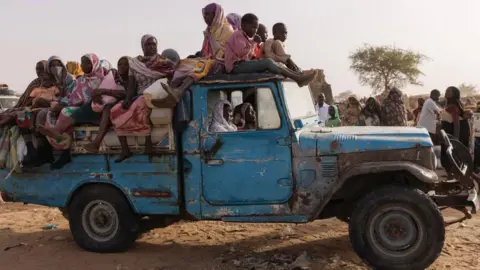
<point x="215" y="162"/>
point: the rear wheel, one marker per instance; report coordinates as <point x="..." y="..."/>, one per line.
<point x="397" y="228"/>
<point x="101" y="220"/>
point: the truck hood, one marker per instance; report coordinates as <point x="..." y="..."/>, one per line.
<point x="328" y="141"/>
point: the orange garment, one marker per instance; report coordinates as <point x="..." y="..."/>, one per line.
<point x="49" y="94"/>
<point x="258" y="51"/>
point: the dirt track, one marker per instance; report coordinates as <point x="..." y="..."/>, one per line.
<point x="204" y="245"/>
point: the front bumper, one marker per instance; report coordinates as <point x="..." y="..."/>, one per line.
<point x="459" y="189"/>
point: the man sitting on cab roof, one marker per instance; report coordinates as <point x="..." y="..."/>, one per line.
<point x="239" y="54"/>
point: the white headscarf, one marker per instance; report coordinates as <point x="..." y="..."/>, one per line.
<point x="219" y="123"/>
<point x="104" y="63"/>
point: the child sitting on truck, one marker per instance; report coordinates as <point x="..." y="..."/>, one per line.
<point x="239" y="55"/>
<point x="275" y="48"/>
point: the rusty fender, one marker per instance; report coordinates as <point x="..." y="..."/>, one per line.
<point x="321" y="192"/>
<point x="421" y="173"/>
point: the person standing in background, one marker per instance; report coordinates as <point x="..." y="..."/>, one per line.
<point x="322" y="110"/>
<point x="393" y="112"/>
<point x="429" y="115"/>
<point x="416" y="112"/>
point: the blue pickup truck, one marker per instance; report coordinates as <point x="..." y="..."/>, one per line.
<point x="381" y="180"/>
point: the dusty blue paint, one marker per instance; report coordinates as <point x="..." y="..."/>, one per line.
<point x="45" y="187"/>
<point x="360" y="139"/>
<point x="261" y="170"/>
<point x="251" y="162"/>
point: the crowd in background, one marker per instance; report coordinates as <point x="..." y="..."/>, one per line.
<point x="433" y="114"/>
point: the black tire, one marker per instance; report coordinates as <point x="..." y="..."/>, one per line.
<point x="111" y="210"/>
<point x="400" y="209"/>
<point x="64" y="212"/>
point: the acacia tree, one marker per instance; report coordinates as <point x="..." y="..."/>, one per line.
<point x="467" y="89"/>
<point x="381" y="67"/>
<point x="343" y="95"/>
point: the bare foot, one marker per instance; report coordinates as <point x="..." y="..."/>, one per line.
<point x="91" y="148"/>
<point x="307" y="78"/>
<point x="49" y="132"/>
<point x="123" y="156"/>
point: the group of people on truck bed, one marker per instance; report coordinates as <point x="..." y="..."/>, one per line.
<point x="93" y="92"/>
<point x="432" y="114"/>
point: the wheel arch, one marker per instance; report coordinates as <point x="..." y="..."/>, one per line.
<point x="358" y="180"/>
<point x="89" y="184"/>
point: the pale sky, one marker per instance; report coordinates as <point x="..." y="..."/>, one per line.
<point x="321" y="33"/>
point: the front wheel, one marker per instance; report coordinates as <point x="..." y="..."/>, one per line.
<point x="101" y="220"/>
<point x="397" y="228"/>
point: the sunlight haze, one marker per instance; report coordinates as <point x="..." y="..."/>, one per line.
<point x="321" y="33"/>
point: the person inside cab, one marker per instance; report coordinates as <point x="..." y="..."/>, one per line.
<point x="222" y="117"/>
<point x="239" y="52"/>
<point x="245" y="117"/>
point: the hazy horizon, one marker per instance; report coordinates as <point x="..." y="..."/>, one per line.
<point x="321" y="34"/>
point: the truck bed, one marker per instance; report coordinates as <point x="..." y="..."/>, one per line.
<point x="162" y="136"/>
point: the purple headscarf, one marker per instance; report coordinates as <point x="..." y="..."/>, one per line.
<point x="235" y="20"/>
<point x="212" y="7"/>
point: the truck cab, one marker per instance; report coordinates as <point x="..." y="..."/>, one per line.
<point x="381" y="180"/>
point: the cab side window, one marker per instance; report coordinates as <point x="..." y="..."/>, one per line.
<point x="242" y="110"/>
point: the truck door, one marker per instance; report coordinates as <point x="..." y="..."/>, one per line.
<point x="248" y="167"/>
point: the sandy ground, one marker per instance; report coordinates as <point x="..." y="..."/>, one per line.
<point x="24" y="245"/>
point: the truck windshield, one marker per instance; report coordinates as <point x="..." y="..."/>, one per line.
<point x="299" y="100"/>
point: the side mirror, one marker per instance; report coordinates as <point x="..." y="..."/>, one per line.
<point x="298" y="124"/>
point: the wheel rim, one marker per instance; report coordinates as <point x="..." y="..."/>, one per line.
<point x="100" y="220"/>
<point x="395" y="231"/>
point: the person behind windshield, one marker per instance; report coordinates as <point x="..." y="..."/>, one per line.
<point x="235" y="20"/>
<point x="275" y="48"/>
<point x="393" y="110"/>
<point x="222" y="117"/>
<point x="217" y="33"/>
<point x="244" y="117"/>
<point x="370" y="114"/>
<point x="352" y="112"/>
<point x="73" y="108"/>
<point x="334" y="120"/>
<point x="74" y="68"/>
<point x="239" y="55"/>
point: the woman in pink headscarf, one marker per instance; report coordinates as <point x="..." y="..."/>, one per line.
<point x="73" y="108"/>
<point x="217" y="33"/>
